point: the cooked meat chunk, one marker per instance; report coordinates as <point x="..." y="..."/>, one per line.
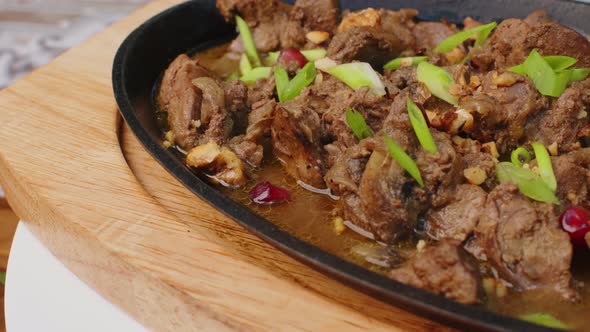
<point x="247" y="151"/>
<point x="181" y="99"/>
<point x="316" y="15"/>
<point x="365" y="44"/>
<point x="400" y="23"/>
<point x="513" y="39"/>
<point x="572" y="171"/>
<point x="216" y="124"/>
<point x="502" y="111"/>
<point x="296" y="143"/>
<point x="385" y="193"/>
<point x="252" y="11"/>
<point x="522" y="240"/>
<point x="444" y="268"/>
<point x="221" y="164"/>
<point x="458" y="219"/>
<point x="429" y="34"/>
<point x="259" y="119"/>
<point x="538" y="17"/>
<point x="262" y="90"/>
<point x="562" y="122"/>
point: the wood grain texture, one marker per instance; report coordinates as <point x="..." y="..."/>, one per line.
<point x="129" y="230"/>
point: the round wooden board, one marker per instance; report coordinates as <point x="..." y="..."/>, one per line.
<point x="127" y="228"/>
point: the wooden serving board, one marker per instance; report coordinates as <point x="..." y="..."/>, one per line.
<point x="129" y="230"/>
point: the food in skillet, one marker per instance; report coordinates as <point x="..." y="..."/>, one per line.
<point x="459" y="151"/>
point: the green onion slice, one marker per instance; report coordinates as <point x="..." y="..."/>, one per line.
<point x="545" y="320"/>
<point x="404" y="160"/>
<point x="357" y="75"/>
<point x="481" y="32"/>
<point x="304" y="78"/>
<point x="579" y="74"/>
<point x="315" y="54"/>
<point x="560" y="62"/>
<point x="248" y="41"/>
<point x="420" y="127"/>
<point x="281" y="82"/>
<point x="520" y="156"/>
<point x="437" y="80"/>
<point x="357" y="124"/>
<point x="405" y="62"/>
<point x="245" y="65"/>
<point x="544" y="163"/>
<point x="233" y="77"/>
<point x="255" y="74"/>
<point x="529" y="183"/>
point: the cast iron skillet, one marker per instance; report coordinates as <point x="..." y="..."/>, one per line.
<point x="149" y="49"/>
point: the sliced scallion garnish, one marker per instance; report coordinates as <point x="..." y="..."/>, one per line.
<point x="357" y="75"/>
<point x="528" y="182"/>
<point x="544" y="320"/>
<point x="481" y="32"/>
<point x="281" y="82"/>
<point x="402" y="158"/>
<point x="437" y="80"/>
<point x="248" y="41"/>
<point x="314" y="54"/>
<point x="302" y="79"/>
<point x="549" y="73"/>
<point x="544" y="164"/>
<point x="420" y="127"/>
<point x="233" y="77"/>
<point x="404" y="62"/>
<point x="357" y="124"/>
<point x="255" y="74"/>
<point x="245" y="65"/>
<point x="520" y="156"/>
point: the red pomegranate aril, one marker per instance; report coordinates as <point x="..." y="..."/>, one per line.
<point x="292" y="54"/>
<point x="266" y="193"/>
<point x="575" y="221"/>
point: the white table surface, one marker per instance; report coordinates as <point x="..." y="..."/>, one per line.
<point x="43" y="295"/>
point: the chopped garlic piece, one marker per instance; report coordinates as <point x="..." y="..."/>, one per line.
<point x="339" y="226"/>
<point x="491" y="148"/>
<point x="553" y="149"/>
<point x="475" y="175"/>
<point x="317" y="37"/>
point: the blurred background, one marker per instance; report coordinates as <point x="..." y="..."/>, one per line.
<point x="32" y="33"/>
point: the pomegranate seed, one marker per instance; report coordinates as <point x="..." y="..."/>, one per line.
<point x="292" y="54"/>
<point x="575" y="220"/>
<point x="266" y="193"/>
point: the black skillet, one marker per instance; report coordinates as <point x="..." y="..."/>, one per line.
<point x="149" y="49"/>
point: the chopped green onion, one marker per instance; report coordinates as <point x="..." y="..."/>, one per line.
<point x="437" y="80"/>
<point x="304" y="78"/>
<point x="527" y="181"/>
<point x="549" y="73"/>
<point x="248" y="41"/>
<point x="520" y="156"/>
<point x="481" y="32"/>
<point x="245" y="65"/>
<point x="233" y="77"/>
<point x="255" y="74"/>
<point x="271" y="58"/>
<point x="3" y="278"/>
<point x="404" y="62"/>
<point x="420" y="127"/>
<point x="545" y="320"/>
<point x="357" y="75"/>
<point x="357" y="124"/>
<point x="281" y="82"/>
<point x="544" y="163"/>
<point x="315" y="54"/>
<point x="402" y="158"/>
<point x="560" y="62"/>
<point x="579" y="74"/>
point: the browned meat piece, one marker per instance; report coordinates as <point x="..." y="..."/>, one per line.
<point x="513" y="39"/>
<point x="365" y="44"/>
<point x="445" y="269"/>
<point x="572" y="171"/>
<point x="259" y="119"/>
<point x="316" y="15"/>
<point x="252" y="11"/>
<point x="429" y="34"/>
<point x="386" y="195"/>
<point x="501" y="112"/>
<point x="345" y="175"/>
<point x="181" y="99"/>
<point x="262" y="90"/>
<point x="296" y="143"/>
<point x="400" y="23"/>
<point x="561" y="123"/>
<point x="236" y="96"/>
<point x="522" y="240"/>
<point x="216" y="123"/>
<point x="248" y="151"/>
<point x="440" y="171"/>
<point x="458" y="219"/>
<point x="537" y="17"/>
